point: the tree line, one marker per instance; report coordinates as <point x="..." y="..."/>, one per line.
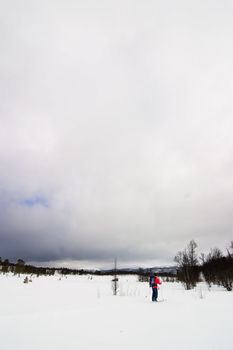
<point x="20" y="267"/>
<point x="216" y="268"/>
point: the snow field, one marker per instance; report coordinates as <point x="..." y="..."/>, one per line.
<point x="81" y="313"/>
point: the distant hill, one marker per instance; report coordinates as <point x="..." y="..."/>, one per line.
<point x="171" y="270"/>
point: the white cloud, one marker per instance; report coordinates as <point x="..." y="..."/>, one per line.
<point x="120" y="114"/>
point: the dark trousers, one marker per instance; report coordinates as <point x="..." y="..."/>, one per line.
<point x="154" y="294"/>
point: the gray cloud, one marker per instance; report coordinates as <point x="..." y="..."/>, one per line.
<point x="118" y="117"/>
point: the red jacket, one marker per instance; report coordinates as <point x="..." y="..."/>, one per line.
<point x="155" y="282"/>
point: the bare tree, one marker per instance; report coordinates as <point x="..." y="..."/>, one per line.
<point x="218" y="269"/>
<point x="188" y="272"/>
<point x="115" y="279"/>
<point x="202" y="258"/>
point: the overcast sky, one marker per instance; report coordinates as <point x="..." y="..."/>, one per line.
<point x="116" y="129"/>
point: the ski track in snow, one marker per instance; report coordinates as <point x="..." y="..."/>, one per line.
<point x="79" y="313"/>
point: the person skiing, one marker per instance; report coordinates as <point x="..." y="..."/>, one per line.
<point x="154" y="286"/>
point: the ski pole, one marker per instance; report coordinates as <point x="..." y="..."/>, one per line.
<point x="161" y="292"/>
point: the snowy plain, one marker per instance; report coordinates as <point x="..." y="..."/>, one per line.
<point x="78" y="312"/>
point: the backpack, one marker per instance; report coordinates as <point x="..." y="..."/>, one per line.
<point x="151" y="280"/>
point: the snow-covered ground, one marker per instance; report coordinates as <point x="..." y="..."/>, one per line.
<point x="81" y="313"/>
